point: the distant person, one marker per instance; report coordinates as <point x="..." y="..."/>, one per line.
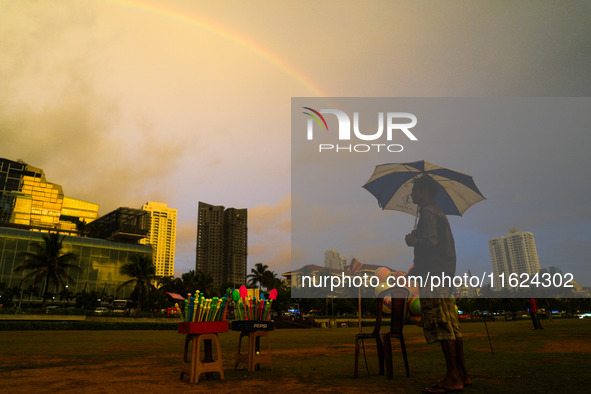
<point x="434" y="253"/>
<point x="533" y="311"/>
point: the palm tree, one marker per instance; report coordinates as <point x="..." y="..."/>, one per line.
<point x="49" y="264"/>
<point x="66" y="294"/>
<point x="9" y="294"/>
<point x="258" y="275"/>
<point x="169" y="284"/>
<point x="190" y="282"/>
<point x="142" y="271"/>
<point x="205" y="283"/>
<point x="272" y="281"/>
<point x="32" y="291"/>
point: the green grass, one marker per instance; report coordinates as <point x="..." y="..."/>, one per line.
<point x="557" y="359"/>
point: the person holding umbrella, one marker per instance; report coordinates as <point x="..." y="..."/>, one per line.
<point x="434" y="254"/>
<point x="430" y="192"/>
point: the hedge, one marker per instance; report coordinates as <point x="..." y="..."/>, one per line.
<point x="83" y="325"/>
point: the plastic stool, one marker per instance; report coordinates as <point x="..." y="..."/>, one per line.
<point x="196" y="366"/>
<point x="243" y="358"/>
<point x="253" y="358"/>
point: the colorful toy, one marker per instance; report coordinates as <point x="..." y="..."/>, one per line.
<point x="415" y="319"/>
<point x="200" y="309"/>
<point x="237" y="306"/>
<point x="414" y="306"/>
<point x="272" y="297"/>
<point x="244" y="296"/>
<point x="383" y="273"/>
<point x="380" y="288"/>
<point x="387" y="305"/>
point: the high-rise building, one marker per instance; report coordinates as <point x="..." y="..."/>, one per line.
<point x="222" y="236"/>
<point x="29" y="201"/>
<point x="514" y="253"/>
<point x="333" y="260"/>
<point x="162" y="236"/>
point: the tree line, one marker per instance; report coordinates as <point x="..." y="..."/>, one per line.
<point x="46" y="268"/>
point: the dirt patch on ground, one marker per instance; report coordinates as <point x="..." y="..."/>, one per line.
<point x="340" y="349"/>
<point x="149" y="377"/>
<point x="127" y="377"/>
<point x="570" y="346"/>
<point x="141" y="369"/>
<point x="160" y="374"/>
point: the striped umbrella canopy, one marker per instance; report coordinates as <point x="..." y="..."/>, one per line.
<point x="392" y="185"/>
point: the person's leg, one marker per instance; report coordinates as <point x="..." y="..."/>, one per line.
<point x="437" y="327"/>
<point x="539" y="325"/>
<point x="452" y="317"/>
<point x="533" y="320"/>
<point x="461" y="363"/>
<point x="452" y="379"/>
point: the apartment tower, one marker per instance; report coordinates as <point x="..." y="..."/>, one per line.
<point x="333" y="260"/>
<point x="514" y="253"/>
<point x="222" y="243"/>
<point x="162" y="236"/>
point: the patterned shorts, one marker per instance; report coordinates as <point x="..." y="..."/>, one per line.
<point x="440" y="320"/>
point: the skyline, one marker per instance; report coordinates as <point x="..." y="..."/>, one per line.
<point x="123" y="102"/>
<point x="160" y="204"/>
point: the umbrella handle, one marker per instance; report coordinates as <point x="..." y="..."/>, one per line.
<point x="416" y="218"/>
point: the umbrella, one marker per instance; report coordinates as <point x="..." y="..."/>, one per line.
<point x="392" y="185"/>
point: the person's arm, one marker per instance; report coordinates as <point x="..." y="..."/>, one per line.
<point x="426" y="234"/>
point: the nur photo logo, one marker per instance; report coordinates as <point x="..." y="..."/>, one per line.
<point x="390" y="125"/>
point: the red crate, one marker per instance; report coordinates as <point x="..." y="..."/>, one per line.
<point x="203" y="327"/>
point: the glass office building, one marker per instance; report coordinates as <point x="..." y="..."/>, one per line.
<point x="29" y="201"/>
<point x="100" y="261"/>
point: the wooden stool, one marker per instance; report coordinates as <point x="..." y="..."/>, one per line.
<point x="253" y="358"/>
<point x="196" y="366"/>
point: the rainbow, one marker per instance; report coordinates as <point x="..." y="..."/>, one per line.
<point x="169" y="11"/>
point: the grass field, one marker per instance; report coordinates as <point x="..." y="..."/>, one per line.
<point x="556" y="359"/>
